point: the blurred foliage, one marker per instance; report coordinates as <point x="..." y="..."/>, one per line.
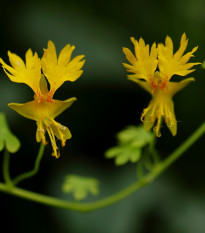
<point x="130" y="144"/>
<point x="80" y="186"/>
<point x="203" y="65"/>
<point x="7" y="138"/>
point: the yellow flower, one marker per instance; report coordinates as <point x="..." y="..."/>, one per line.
<point x="152" y="69"/>
<point x="44" y="109"/>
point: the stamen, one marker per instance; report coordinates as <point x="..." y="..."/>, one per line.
<point x="41" y="130"/>
<point x="157" y="127"/>
<point x="142" y="117"/>
<point x="57" y="156"/>
<point x="144" y="113"/>
<point x="154" y="110"/>
<point x="61" y="126"/>
<point x="53" y="141"/>
<point x="62" y="136"/>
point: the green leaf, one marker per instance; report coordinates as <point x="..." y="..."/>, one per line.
<point x="127" y="154"/>
<point x="94" y="190"/>
<point x="135" y="156"/>
<point x="136" y="135"/>
<point x="112" y="152"/>
<point x="203" y="65"/>
<point x="130" y="143"/>
<point x="80" y="194"/>
<point x="122" y="159"/>
<point x="80" y="186"/>
<point x="7" y="138"/>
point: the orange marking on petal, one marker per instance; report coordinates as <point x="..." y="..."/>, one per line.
<point x="163" y="84"/>
<point x="153" y="84"/>
<point x="50" y="96"/>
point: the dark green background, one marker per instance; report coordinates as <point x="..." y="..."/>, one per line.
<point x="107" y="102"/>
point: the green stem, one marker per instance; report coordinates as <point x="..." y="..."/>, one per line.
<point x="154" y="152"/>
<point x="181" y="149"/>
<point x="155" y="156"/>
<point x="51" y="201"/>
<point x="33" y="172"/>
<point x="6" y="161"/>
<point x="147" y="161"/>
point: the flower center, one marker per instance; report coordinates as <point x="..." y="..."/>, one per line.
<point x="158" y="82"/>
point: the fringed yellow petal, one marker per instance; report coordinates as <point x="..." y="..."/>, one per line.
<point x="129" y="55"/>
<point x="16" y="62"/>
<point x="170" y="64"/>
<point x="130" y="69"/>
<point x="169" y="46"/>
<point x="29" y="73"/>
<point x="57" y="71"/>
<point x="182" y="47"/>
<point x="65" y="55"/>
<point x="144" y="62"/>
<point x="184" y="59"/>
<point x="50" y="55"/>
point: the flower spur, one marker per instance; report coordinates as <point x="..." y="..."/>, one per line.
<point x="44" y="109"/>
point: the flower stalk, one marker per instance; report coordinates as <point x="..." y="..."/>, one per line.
<point x="86" y="207"/>
<point x="33" y="172"/>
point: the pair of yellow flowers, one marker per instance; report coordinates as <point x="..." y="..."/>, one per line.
<point x="151" y="68"/>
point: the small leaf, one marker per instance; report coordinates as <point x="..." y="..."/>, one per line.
<point x="12" y="143"/>
<point x="128" y="154"/>
<point x="135" y="156"/>
<point x="67" y="187"/>
<point x="7" y="138"/>
<point x="80" y="186"/>
<point x="130" y="143"/>
<point x="79" y="194"/>
<point x="135" y="135"/>
<point x="203" y="65"/>
<point x="112" y="152"/>
<point x="94" y="190"/>
<point x="122" y="159"/>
